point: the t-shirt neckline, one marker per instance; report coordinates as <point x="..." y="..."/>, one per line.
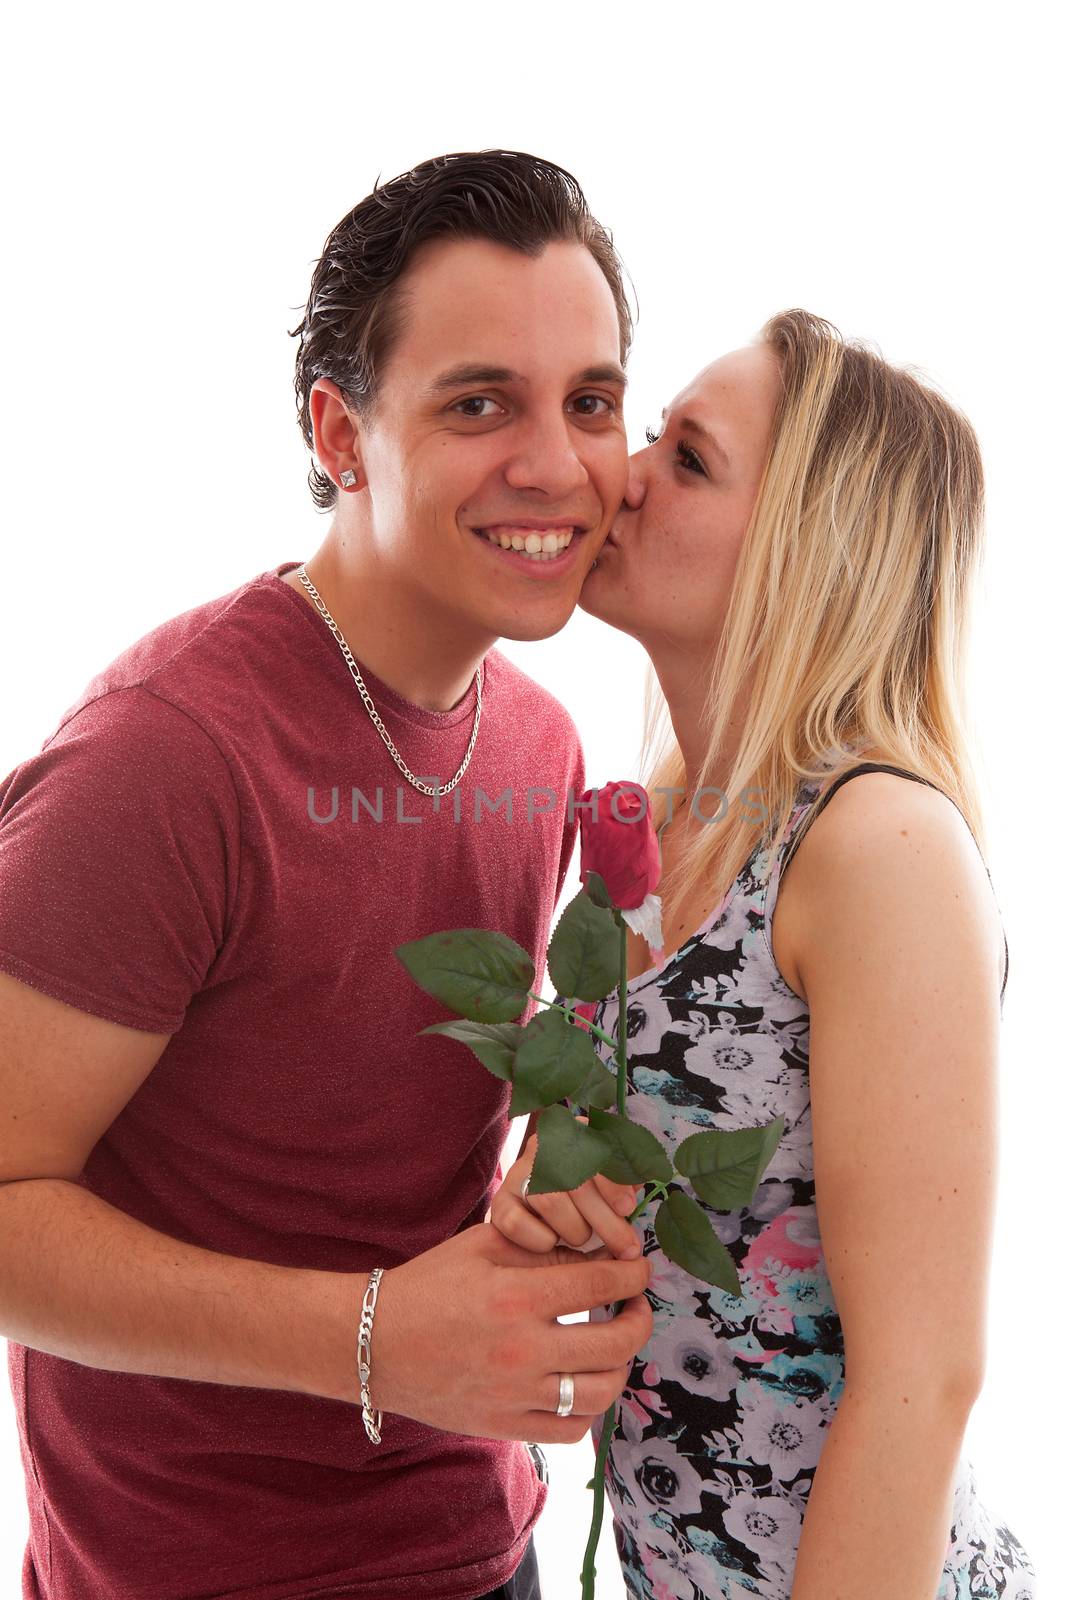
<point x="385" y="698"/>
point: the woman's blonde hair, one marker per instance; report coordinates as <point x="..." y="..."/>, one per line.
<point x="848" y="617"/>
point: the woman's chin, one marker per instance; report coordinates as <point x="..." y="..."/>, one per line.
<point x="588" y="599"/>
<point x="600" y="601"/>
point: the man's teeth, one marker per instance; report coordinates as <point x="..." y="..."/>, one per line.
<point x="535" y="546"/>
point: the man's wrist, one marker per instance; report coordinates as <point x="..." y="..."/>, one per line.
<point x="331" y="1366"/>
<point x="372" y="1416"/>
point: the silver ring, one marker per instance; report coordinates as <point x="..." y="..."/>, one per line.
<point x="525" y="1186"/>
<point x="566" y="1395"/>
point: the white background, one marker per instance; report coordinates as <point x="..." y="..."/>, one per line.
<point x="171" y="176"/>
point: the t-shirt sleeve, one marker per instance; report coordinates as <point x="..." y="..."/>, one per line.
<point x="119" y="855"/>
<point x="570" y="829"/>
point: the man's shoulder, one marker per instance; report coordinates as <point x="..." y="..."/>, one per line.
<point x="184" y="660"/>
<point x="520" y="691"/>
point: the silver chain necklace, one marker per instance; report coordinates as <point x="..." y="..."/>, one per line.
<point x="424" y="788"/>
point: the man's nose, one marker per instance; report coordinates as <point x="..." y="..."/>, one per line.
<point x="547" y="460"/>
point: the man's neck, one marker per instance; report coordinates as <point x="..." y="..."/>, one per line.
<point x="423" y="657"/>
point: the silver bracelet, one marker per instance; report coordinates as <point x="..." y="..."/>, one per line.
<point x="372" y="1420"/>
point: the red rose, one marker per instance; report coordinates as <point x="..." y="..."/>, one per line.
<point x="620" y="844"/>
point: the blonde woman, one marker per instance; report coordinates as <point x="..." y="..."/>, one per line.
<point x="797" y="552"/>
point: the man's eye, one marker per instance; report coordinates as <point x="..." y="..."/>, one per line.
<point x="476" y="400"/>
<point x="597" y="399"/>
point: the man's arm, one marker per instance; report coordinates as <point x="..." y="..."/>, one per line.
<point x="83" y="1280"/>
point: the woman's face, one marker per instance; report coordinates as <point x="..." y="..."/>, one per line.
<point x="664" y="574"/>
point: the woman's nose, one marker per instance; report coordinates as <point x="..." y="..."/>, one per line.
<point x="635" y="488"/>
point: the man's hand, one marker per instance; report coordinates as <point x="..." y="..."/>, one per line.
<point x="591" y="1215"/>
<point x="466" y="1338"/>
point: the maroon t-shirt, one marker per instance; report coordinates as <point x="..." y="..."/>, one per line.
<point x="163" y="865"/>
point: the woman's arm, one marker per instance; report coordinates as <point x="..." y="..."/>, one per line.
<point x="895" y="935"/>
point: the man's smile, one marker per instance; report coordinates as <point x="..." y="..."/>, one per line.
<point x="537" y="543"/>
<point x="534" y="539"/>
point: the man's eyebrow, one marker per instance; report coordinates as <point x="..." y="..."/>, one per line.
<point x="609" y="372"/>
<point x="471" y="374"/>
<point x="691" y="425"/>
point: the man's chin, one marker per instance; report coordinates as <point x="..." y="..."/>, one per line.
<point x="532" y="634"/>
<point x="528" y="627"/>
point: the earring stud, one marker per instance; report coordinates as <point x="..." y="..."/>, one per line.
<point x="348" y="477"/>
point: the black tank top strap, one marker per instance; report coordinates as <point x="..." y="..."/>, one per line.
<point x="854" y="772"/>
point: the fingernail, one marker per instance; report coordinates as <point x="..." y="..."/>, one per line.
<point x="631" y="1252"/>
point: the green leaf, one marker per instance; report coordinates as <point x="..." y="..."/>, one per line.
<point x="599" y="1089"/>
<point x="552" y="1060"/>
<point x="568" y="1152"/>
<point x="725" y="1165"/>
<point x="636" y="1155"/>
<point x="597" y="890"/>
<point x="494" y="1043"/>
<point x="583" y="953"/>
<point x="481" y="975"/>
<point x="688" y="1238"/>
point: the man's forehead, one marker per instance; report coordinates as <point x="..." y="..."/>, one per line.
<point x="447" y="260"/>
<point x="472" y="303"/>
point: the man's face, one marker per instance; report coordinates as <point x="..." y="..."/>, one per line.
<point x="500" y="412"/>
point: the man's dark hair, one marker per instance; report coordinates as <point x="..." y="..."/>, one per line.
<point x="351" y="320"/>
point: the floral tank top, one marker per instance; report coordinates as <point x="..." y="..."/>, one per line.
<point x="720" y="1427"/>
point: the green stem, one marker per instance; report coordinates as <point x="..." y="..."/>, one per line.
<point x="589" y="1563"/>
<point x="620" y="1048"/>
<point x="656" y="1189"/>
<point x="568" y="1011"/>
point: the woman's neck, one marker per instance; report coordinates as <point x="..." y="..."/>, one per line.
<point x="683" y="679"/>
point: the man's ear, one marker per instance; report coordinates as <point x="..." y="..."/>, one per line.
<point x="335" y="428"/>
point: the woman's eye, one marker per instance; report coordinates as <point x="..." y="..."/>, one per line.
<point x="651" y="434"/>
<point x="475" y="400"/>
<point x="689" y="459"/>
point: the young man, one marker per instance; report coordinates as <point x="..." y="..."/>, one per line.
<point x="219" y="1116"/>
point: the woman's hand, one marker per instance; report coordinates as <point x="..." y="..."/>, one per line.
<point x="588" y="1217"/>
